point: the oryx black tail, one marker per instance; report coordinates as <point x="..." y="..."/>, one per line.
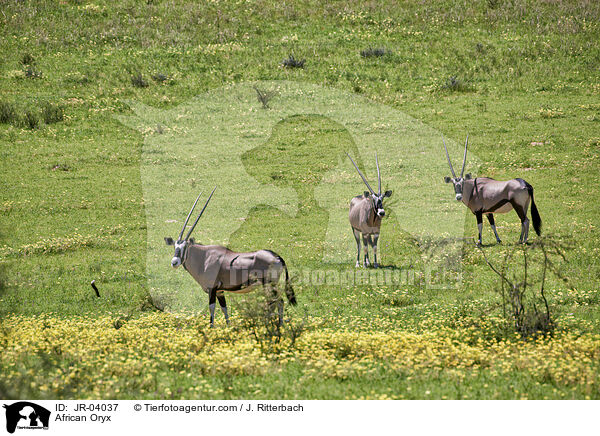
<point x="535" y="215"/>
<point x="289" y="290"/>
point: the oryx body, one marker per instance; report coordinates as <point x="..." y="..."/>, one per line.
<point x="365" y="215"/>
<point x="217" y="269"/>
<point x="484" y="195"/>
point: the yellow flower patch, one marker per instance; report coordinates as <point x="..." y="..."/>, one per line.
<point x="89" y="357"/>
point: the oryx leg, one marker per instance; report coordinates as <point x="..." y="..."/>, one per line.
<point x="357" y="237"/>
<point x="490" y="217"/>
<point x="479" y="217"/>
<point x="524" y="222"/>
<point x="366" y="244"/>
<point x="374" y="245"/>
<point x="223" y="305"/>
<point x="212" y="298"/>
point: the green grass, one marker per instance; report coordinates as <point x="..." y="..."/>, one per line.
<point x="89" y="174"/>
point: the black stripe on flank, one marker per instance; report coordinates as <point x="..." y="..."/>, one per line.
<point x="496" y="206"/>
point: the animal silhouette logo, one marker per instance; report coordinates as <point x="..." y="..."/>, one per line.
<point x="288" y="164"/>
<point x="26" y="415"/>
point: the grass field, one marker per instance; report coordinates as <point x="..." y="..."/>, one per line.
<point x="114" y="115"/>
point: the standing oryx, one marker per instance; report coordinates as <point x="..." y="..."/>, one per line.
<point x="218" y="269"/>
<point x="366" y="213"/>
<point x="488" y="196"/>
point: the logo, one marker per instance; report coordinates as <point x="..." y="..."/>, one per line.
<point x="289" y="163"/>
<point x="26" y="415"/>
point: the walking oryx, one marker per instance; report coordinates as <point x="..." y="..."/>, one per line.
<point x="366" y="213"/>
<point x="218" y="269"/>
<point x="488" y="196"/>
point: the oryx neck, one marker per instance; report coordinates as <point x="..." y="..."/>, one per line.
<point x="184" y="255"/>
<point x="373" y="218"/>
<point x="468" y="186"/>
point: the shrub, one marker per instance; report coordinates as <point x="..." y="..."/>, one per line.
<point x="455" y="84"/>
<point x="60" y="167"/>
<point x="160" y="78"/>
<point x="153" y="302"/>
<point x="374" y="52"/>
<point x="259" y="315"/>
<point x="52" y="113"/>
<point x="138" y="81"/>
<point x="8" y="114"/>
<point x="27" y="59"/>
<point x="264" y="96"/>
<point x="121" y="321"/>
<point x="292" y="62"/>
<point x="522" y="291"/>
<point x="32" y="73"/>
<point x="30" y="120"/>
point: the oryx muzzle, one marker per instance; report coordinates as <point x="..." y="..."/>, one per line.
<point x="217" y="269"/>
<point x="483" y="195"/>
<point x="366" y="212"/>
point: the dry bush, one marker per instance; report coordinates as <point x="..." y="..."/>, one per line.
<point x="259" y="315"/>
<point x="264" y="96"/>
<point x="522" y="279"/>
<point x="292" y="62"/>
<point x="138" y="81"/>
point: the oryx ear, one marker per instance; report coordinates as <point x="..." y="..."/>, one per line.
<point x="448" y="179"/>
<point x="169" y="241"/>
<point x="468" y="177"/>
<point x="387" y="194"/>
<point x="192" y="241"/>
<point x="367" y="194"/>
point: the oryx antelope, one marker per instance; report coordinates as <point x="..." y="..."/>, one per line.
<point x="488" y="196"/>
<point x="218" y="269"/>
<point x="366" y="213"/>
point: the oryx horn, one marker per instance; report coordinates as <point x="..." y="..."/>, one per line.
<point x="188" y="217"/>
<point x="361" y="175"/>
<point x="201" y="212"/>
<point x="465" y="157"/>
<point x="448" y="157"/>
<point x="378" y="174"/>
